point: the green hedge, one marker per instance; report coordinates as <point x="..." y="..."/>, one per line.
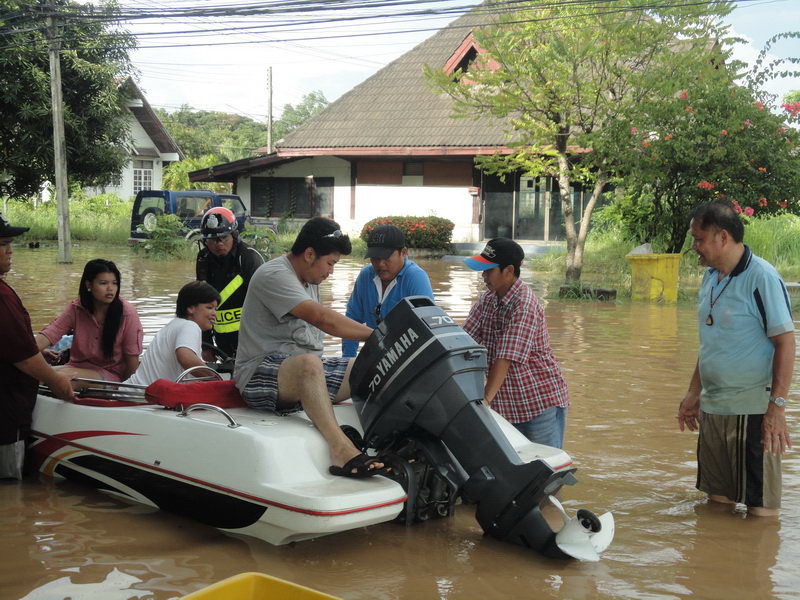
<point x="421" y="232"/>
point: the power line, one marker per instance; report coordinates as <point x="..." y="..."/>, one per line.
<point x="508" y="6"/>
<point x="307" y="6"/>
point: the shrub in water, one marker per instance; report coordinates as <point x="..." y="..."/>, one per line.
<point x="420" y="232"/>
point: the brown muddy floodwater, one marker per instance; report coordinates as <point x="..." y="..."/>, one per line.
<point x="627" y="366"/>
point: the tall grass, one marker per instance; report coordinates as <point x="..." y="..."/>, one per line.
<point x="776" y="239"/>
<point x="103" y="218"/>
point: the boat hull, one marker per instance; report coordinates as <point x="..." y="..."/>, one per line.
<point x="266" y="478"/>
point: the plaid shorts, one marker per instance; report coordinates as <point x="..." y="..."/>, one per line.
<point x="261" y="392"/>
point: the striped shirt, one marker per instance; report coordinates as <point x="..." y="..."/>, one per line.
<point x="514" y="328"/>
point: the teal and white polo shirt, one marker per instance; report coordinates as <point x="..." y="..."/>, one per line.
<point x="750" y="306"/>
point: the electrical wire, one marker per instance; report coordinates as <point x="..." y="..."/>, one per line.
<point x="304" y="6"/>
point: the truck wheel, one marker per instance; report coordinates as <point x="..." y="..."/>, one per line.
<point x="193" y="236"/>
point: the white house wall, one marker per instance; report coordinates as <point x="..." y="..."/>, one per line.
<point x="454" y="203"/>
<point x="124" y="189"/>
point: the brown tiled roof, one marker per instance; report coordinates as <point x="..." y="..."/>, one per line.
<point x="396" y="108"/>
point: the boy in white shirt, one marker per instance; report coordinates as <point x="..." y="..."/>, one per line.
<point x="178" y="346"/>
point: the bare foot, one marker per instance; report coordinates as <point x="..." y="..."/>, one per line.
<point x="720" y="499"/>
<point x="760" y="511"/>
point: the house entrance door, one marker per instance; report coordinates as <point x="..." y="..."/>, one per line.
<point x="525" y="208"/>
<point x="532" y="207"/>
<point x="538" y="210"/>
<point x="498" y="206"/>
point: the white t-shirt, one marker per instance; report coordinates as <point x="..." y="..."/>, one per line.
<point x="159" y="360"/>
<point x="268" y="327"/>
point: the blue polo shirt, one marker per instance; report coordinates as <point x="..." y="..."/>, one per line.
<point x="410" y="281"/>
<point x="750" y="306"/>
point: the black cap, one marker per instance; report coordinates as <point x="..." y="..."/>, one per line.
<point x="6" y="230"/>
<point x="499" y="252"/>
<point x="383" y="240"/>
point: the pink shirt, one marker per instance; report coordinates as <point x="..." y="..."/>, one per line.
<point x="87" y="345"/>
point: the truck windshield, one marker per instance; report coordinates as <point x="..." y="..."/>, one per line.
<point x="235" y="204"/>
<point x="192" y="206"/>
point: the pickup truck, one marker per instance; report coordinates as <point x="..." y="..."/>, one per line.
<point x="189" y="206"/>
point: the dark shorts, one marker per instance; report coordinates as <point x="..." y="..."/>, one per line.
<point x="261" y="392"/>
<point x="731" y="461"/>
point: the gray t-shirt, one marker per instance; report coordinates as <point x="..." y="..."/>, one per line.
<point x="267" y="326"/>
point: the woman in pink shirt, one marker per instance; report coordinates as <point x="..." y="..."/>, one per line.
<point x="107" y="331"/>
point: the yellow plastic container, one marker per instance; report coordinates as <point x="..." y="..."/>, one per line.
<point x="654" y="277"/>
<point x="257" y="586"/>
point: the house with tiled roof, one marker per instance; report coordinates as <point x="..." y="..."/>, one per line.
<point x="152" y="149"/>
<point x="391" y="147"/>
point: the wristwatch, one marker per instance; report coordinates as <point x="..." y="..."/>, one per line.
<point x="777" y="401"/>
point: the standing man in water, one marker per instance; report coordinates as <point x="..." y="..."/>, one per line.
<point x="390" y="277"/>
<point x="737" y="393"/>
<point x="524" y="383"/>
<point x="22" y="366"/>
<point x="279" y="366"/>
<point x="227" y="264"/>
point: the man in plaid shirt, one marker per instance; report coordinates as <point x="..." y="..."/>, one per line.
<point x="524" y="383"/>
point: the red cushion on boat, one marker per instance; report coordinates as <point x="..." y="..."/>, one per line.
<point x="218" y="393"/>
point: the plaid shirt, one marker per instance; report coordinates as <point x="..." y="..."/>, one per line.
<point x="514" y="328"/>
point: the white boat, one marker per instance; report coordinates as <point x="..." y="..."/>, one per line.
<point x="255" y="473"/>
<point x="267" y="477"/>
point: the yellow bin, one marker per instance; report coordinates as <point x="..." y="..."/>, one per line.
<point x="257" y="586"/>
<point x="654" y="277"/>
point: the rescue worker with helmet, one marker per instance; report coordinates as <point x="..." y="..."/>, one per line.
<point x="227" y="264"/>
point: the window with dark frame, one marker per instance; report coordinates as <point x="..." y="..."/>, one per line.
<point x="295" y="197"/>
<point x="413" y="168"/>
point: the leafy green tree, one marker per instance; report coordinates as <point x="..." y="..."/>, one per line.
<point x="229" y="137"/>
<point x="713" y="140"/>
<point x="203" y="132"/>
<point x="793" y="96"/>
<point x="558" y="75"/>
<point x="176" y="175"/>
<point x="294" y="116"/>
<point x="93" y="58"/>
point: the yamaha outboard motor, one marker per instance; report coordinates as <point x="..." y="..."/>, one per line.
<point x="417" y="386"/>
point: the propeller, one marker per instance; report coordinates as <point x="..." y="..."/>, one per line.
<point x="585" y="535"/>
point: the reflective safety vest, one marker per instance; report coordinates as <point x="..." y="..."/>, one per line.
<point x="228" y="319"/>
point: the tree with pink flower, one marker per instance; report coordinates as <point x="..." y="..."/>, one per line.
<point x="561" y="91"/>
<point x="734" y="144"/>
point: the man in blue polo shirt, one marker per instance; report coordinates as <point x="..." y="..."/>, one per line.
<point x="389" y="278"/>
<point x="737" y="392"/>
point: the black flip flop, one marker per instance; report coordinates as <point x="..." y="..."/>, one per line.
<point x="358" y="467"/>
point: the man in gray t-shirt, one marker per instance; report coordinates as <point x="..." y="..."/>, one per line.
<point x="279" y="363"/>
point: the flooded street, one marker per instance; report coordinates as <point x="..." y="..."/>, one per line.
<point x="627" y="366"/>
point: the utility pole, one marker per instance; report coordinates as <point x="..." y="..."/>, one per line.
<point x="59" y="146"/>
<point x="269" y="112"/>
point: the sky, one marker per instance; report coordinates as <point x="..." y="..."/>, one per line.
<point x="233" y="78"/>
